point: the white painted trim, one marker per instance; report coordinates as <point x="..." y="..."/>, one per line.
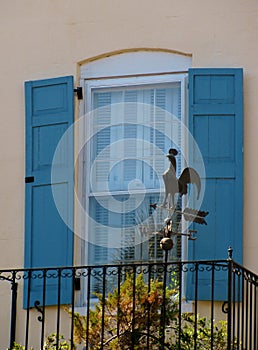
<point x="136" y="63"/>
<point x="108" y="83"/>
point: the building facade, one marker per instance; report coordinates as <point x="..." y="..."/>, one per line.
<point x="191" y="64"/>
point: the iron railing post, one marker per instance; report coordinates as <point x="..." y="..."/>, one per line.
<point x="229" y="320"/>
<point x="14" y="288"/>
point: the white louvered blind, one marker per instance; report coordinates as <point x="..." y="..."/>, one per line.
<point x="124" y="157"/>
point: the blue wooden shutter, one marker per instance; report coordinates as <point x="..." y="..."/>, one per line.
<point x="216" y="122"/>
<point x="48" y="240"/>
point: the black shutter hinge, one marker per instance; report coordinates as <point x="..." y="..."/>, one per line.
<point x="29" y="179"/>
<point x="78" y="92"/>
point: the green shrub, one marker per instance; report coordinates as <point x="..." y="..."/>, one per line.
<point x="18" y="347"/>
<point x="147" y="306"/>
<point x="132" y="312"/>
<point x="201" y="335"/>
<point x="51" y="342"/>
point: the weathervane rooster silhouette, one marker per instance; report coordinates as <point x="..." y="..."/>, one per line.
<point x="174" y="185"/>
<point x="179" y="185"/>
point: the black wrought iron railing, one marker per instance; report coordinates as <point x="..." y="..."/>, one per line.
<point x="130" y="306"/>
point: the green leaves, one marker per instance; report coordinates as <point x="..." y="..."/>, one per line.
<point x="51" y="343"/>
<point x="200" y="331"/>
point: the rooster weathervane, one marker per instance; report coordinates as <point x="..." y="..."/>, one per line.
<point x="174" y="185"/>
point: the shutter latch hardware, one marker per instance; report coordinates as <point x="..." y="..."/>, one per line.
<point x="78" y="92"/>
<point x="29" y="179"/>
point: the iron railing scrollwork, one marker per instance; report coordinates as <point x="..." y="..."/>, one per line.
<point x="142" y="322"/>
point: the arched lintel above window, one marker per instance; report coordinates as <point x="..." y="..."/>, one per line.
<point x="138" y="61"/>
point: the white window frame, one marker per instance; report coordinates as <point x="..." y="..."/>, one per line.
<point x="129" y="69"/>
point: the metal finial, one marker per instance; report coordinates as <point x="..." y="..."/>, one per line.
<point x="230" y="253"/>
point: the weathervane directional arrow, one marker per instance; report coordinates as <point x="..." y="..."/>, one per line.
<point x="197" y="216"/>
<point x="194" y="215"/>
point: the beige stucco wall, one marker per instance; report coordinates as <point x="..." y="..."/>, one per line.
<point x="41" y="39"/>
<point x="49" y="38"/>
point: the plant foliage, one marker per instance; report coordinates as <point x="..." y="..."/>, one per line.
<point x="129" y="316"/>
<point x="141" y="316"/>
